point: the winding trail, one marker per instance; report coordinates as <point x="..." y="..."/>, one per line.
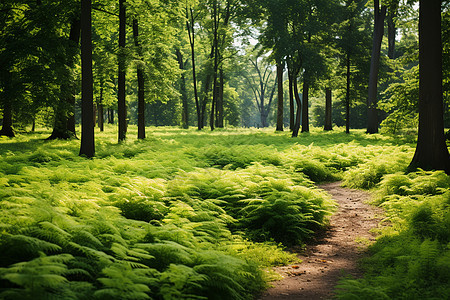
<point x="333" y="253"/>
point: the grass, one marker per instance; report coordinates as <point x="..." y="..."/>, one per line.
<point x="181" y="214"/>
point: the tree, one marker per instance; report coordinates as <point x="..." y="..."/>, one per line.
<point x="122" y="105"/>
<point x="328" y="109"/>
<point x="141" y="82"/>
<point x="87" y="147"/>
<point x="431" y="150"/>
<point x="378" y="31"/>
<point x="280" y="68"/>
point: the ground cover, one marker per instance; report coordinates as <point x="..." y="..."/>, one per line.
<point x="182" y="214"/>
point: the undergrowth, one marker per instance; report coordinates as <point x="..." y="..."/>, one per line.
<point x="181" y="215"/>
<point x="411" y="259"/>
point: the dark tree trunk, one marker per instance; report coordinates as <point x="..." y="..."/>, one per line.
<point x="141" y="83"/>
<point x="378" y="31"/>
<point x="101" y="120"/>
<point x="216" y="64"/>
<point x="328" y="110"/>
<point x="64" y="124"/>
<point x="87" y="91"/>
<point x="392" y="30"/>
<point x="74" y="37"/>
<point x="122" y="106"/>
<point x="110" y="116"/>
<point x="291" y="101"/>
<point x="347" y="97"/>
<point x="296" y="127"/>
<point x="7" y="128"/>
<point x="431" y="151"/>
<point x="305" y="109"/>
<point x="280" y="68"/>
<point x="184" y="99"/>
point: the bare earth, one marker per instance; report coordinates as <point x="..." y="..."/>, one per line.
<point x="334" y="253"/>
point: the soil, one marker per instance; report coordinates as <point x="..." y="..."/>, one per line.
<point x="333" y="253"/>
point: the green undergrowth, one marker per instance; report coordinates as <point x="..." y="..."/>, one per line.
<point x="411" y="258"/>
<point x="182" y="214"/>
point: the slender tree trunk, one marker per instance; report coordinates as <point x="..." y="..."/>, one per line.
<point x="305" y="108"/>
<point x="87" y="147"/>
<point x="141" y="83"/>
<point x="110" y="116"/>
<point x="280" y="103"/>
<point x="431" y="151"/>
<point x="298" y="116"/>
<point x="220" y="122"/>
<point x="100" y="109"/>
<point x="74" y="36"/>
<point x="191" y="33"/>
<point x="347" y="97"/>
<point x="291" y="101"/>
<point x="216" y="65"/>
<point x="184" y="99"/>
<point x="392" y="30"/>
<point x="328" y="110"/>
<point x="122" y="106"/>
<point x="372" y="120"/>
<point x="7" y="128"/>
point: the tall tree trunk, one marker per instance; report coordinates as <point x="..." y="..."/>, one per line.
<point x="141" y="83"/>
<point x="328" y="110"/>
<point x="87" y="147"/>
<point x="296" y="127"/>
<point x="220" y="122"/>
<point x="305" y="108"/>
<point x="280" y="103"/>
<point x="110" y="116"/>
<point x="184" y="99"/>
<point x="191" y="33"/>
<point x="392" y="30"/>
<point x="431" y="151"/>
<point x="74" y="36"/>
<point x="64" y="124"/>
<point x="291" y="101"/>
<point x="378" y="31"/>
<point x="122" y="106"/>
<point x="7" y="128"/>
<point x="347" y="97"/>
<point x="100" y="109"/>
<point x="216" y="64"/>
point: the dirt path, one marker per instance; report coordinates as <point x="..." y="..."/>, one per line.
<point x="334" y="253"/>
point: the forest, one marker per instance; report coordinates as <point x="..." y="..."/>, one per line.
<point x="177" y="149"/>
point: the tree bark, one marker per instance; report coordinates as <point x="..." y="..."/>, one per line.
<point x="296" y="127"/>
<point x="372" y="120"/>
<point x="220" y="116"/>
<point x="74" y="36"/>
<point x="291" y="101"/>
<point x="431" y="150"/>
<point x="305" y="108"/>
<point x="87" y="147"/>
<point x="122" y="106"/>
<point x="7" y="128"/>
<point x="191" y="33"/>
<point x="280" y="68"/>
<point x="392" y="30"/>
<point x="141" y="83"/>
<point x="184" y="99"/>
<point x="328" y="110"/>
<point x="347" y="97"/>
<point x="101" y="120"/>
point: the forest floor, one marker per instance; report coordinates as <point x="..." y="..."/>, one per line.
<point x="333" y="253"/>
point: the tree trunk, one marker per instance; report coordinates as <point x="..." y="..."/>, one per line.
<point x="372" y="120"/>
<point x="216" y="64"/>
<point x="74" y="36"/>
<point x="122" y="106"/>
<point x="296" y="127"/>
<point x="391" y="34"/>
<point x="431" y="151"/>
<point x="87" y="91"/>
<point x="7" y="128"/>
<point x="141" y="83"/>
<point x="280" y="68"/>
<point x="184" y="99"/>
<point x="305" y="108"/>
<point x="347" y="98"/>
<point x="328" y="110"/>
<point x="64" y="124"/>
<point x="220" y="122"/>
<point x="291" y="101"/>
<point x="190" y="28"/>
<point x="110" y="116"/>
